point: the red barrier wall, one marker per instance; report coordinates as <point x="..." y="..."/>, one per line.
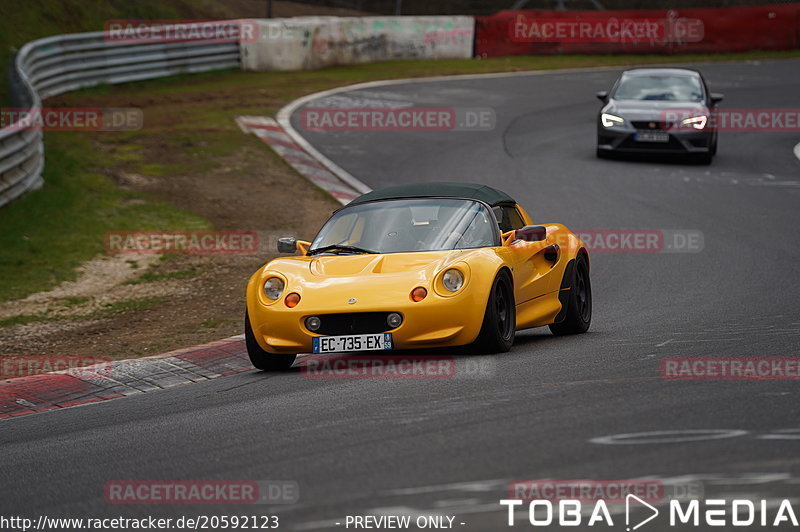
<point x="540" y="32"/>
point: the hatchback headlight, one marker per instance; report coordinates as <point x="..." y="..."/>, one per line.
<point x="453" y="280"/>
<point x="697" y="122"/>
<point x="273" y="288"/>
<point x="611" y="120"/>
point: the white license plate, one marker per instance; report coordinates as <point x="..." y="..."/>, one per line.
<point x="352" y="342"/>
<point x="651" y="136"/>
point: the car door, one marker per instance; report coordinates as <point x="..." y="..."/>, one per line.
<point x="531" y="269"/>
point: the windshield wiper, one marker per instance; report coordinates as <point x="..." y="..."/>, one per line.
<point x="340" y="247"/>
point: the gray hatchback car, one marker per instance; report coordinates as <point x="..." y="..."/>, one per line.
<point x="659" y="111"/>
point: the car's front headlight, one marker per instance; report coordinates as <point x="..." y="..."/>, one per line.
<point x="453" y="280"/>
<point x="273" y="288"/>
<point x="697" y="122"/>
<point x="609" y="120"/>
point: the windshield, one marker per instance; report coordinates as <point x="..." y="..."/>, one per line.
<point x="660" y="88"/>
<point x="397" y="226"/>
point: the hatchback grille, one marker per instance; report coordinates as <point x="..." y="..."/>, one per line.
<point x="651" y="125"/>
<point x="353" y="323"/>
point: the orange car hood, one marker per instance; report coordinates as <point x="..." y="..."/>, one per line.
<point x="418" y="265"/>
<point x="366" y="264"/>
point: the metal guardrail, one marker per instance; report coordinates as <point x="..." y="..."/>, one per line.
<point x="54" y="65"/>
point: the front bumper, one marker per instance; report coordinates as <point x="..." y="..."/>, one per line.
<point x="436" y="321"/>
<point x="623" y="140"/>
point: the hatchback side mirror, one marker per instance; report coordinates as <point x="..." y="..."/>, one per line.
<point x="287" y="244"/>
<point x="716" y="97"/>
<point x="531" y="233"/>
<point x="602" y="96"/>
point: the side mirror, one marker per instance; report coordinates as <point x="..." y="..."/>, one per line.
<point x="531" y="233"/>
<point x="287" y="244"/>
<point x="602" y="96"/>
<point x="716" y="98"/>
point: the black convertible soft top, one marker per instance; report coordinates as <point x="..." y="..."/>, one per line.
<point x="475" y="191"/>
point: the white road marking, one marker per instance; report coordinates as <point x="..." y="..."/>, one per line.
<point x="709" y="340"/>
<point x="482" y="485"/>
<point x="667" y="436"/>
<point x="783" y="434"/>
<point x="456" y="503"/>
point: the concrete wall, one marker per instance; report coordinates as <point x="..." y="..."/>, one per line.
<point x="305" y="43"/>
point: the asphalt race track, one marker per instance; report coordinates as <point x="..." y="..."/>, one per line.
<point x="450" y="446"/>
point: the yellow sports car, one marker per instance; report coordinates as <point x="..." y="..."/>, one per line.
<point x="418" y="266"/>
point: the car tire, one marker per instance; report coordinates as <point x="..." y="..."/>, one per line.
<point x="601" y="154"/>
<point x="579" y="302"/>
<point x="500" y="318"/>
<point x="260" y="358"/>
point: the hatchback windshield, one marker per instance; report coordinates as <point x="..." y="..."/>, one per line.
<point x="396" y="226"/>
<point x="660" y="88"/>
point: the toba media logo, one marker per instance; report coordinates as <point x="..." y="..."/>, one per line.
<point x="710" y="512"/>
<point x="594" y="502"/>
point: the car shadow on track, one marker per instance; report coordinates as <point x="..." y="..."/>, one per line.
<point x="398" y="363"/>
<point x="672" y="159"/>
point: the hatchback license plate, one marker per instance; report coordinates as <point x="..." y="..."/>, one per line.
<point x="651" y="136"/>
<point x="352" y="342"/>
